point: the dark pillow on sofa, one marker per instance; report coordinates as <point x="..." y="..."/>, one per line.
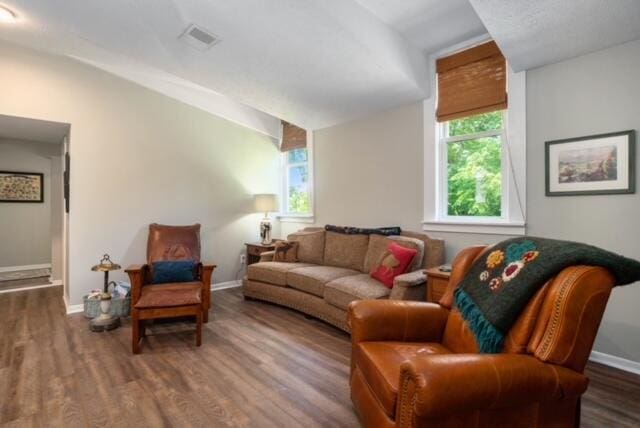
<point x="174" y="271"/>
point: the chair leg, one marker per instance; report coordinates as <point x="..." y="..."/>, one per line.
<point x="199" y="328"/>
<point x="135" y="333"/>
<point x="205" y="315"/>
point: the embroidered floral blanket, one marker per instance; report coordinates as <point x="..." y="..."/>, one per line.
<point x="501" y="283"/>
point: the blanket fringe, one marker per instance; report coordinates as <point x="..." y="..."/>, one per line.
<point x="489" y="339"/>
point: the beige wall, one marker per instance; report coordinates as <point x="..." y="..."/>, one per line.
<point x="369" y="172"/>
<point x="25" y="228"/>
<point x="140" y="157"/>
<point x="592" y="94"/>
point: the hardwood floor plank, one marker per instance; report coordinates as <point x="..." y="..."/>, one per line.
<point x="260" y="365"/>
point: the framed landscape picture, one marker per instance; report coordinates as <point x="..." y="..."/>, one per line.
<point x="593" y="165"/>
<point x="21" y="186"/>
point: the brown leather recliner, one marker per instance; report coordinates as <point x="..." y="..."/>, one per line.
<point x="168" y="300"/>
<point x="417" y="364"/>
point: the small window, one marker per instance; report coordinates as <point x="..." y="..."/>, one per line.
<point x="297" y="199"/>
<point x="473" y="177"/>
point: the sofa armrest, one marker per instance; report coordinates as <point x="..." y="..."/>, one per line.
<point x="267" y="256"/>
<point x="137" y="275"/>
<point x="410" y="286"/>
<point x="441" y="385"/>
<point x="388" y="320"/>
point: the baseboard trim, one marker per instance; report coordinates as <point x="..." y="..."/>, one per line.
<point x="30" y="287"/>
<point x="617" y="362"/>
<point x="224" y="285"/>
<point x="25" y="267"/>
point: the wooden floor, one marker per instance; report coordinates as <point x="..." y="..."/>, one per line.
<point x="259" y="365"/>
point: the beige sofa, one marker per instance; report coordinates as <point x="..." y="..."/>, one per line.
<point x="333" y="270"/>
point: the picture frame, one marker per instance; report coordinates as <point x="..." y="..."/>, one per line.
<point x="602" y="164"/>
<point x="21" y="187"/>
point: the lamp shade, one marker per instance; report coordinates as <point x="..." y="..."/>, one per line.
<point x="266" y="202"/>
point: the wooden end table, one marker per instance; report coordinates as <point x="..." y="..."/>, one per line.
<point x="437" y="282"/>
<point x="255" y="249"/>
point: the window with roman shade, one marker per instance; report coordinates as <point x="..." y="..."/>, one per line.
<point x="293" y="137"/>
<point x="297" y="186"/>
<point x="471" y="82"/>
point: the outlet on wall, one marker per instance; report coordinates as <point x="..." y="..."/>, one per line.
<point x="243" y="259"/>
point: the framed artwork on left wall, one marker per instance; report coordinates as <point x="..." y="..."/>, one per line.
<point x="18" y="186"/>
<point x="601" y="164"/>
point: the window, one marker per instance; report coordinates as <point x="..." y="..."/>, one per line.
<point x="297" y="200"/>
<point x="475" y="143"/>
<point x="297" y="174"/>
<point x="472" y="176"/>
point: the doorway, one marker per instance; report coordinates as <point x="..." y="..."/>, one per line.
<point x="33" y="212"/>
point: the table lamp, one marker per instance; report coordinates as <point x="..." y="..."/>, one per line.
<point x="265" y="203"/>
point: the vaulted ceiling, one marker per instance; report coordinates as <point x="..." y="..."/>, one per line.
<point x="313" y="63"/>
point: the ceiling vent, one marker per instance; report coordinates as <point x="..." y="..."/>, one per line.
<point x="198" y="38"/>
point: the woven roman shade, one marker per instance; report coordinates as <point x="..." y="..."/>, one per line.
<point x="293" y="137"/>
<point x="471" y="82"/>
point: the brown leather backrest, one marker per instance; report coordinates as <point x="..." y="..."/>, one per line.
<point x="558" y="325"/>
<point x="570" y="316"/>
<point x="173" y="243"/>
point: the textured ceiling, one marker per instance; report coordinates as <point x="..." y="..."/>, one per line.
<point x="313" y="63"/>
<point x="535" y="33"/>
<point x="430" y="25"/>
<point x="41" y="131"/>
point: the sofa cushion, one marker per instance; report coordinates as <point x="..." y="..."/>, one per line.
<point x="378" y="245"/>
<point x="342" y="291"/>
<point x="347" y="251"/>
<point x="380" y="364"/>
<point x="272" y="272"/>
<point x="313" y="278"/>
<point x="310" y="246"/>
<point x="169" y="294"/>
<point x="395" y="261"/>
<point x="285" y="251"/>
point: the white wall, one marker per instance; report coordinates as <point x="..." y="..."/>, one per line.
<point x="25" y="228"/>
<point x="592" y="94"/>
<point x="139" y="157"/>
<point x="368" y="172"/>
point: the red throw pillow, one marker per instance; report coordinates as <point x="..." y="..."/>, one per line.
<point x="393" y="262"/>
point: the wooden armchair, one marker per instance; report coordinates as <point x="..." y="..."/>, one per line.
<point x="169" y="300"/>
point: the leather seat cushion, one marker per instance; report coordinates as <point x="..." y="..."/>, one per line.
<point x="342" y="291"/>
<point x="380" y="363"/>
<point x="272" y="272"/>
<point x="170" y="294"/>
<point x="313" y="278"/>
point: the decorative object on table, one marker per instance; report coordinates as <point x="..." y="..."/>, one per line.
<point x="255" y="249"/>
<point x="265" y="203"/>
<point x="593" y="165"/>
<point x="21" y="186"/>
<point x="105" y="321"/>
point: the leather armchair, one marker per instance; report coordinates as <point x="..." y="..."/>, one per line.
<point x="152" y="301"/>
<point x="417" y="364"/>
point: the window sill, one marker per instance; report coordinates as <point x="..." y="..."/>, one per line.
<point x="292" y="218"/>
<point x="515" y="228"/>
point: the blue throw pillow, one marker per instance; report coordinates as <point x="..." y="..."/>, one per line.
<point x="174" y="271"/>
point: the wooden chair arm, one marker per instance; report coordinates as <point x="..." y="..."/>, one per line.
<point x="205" y="273"/>
<point x="137" y="275"/>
